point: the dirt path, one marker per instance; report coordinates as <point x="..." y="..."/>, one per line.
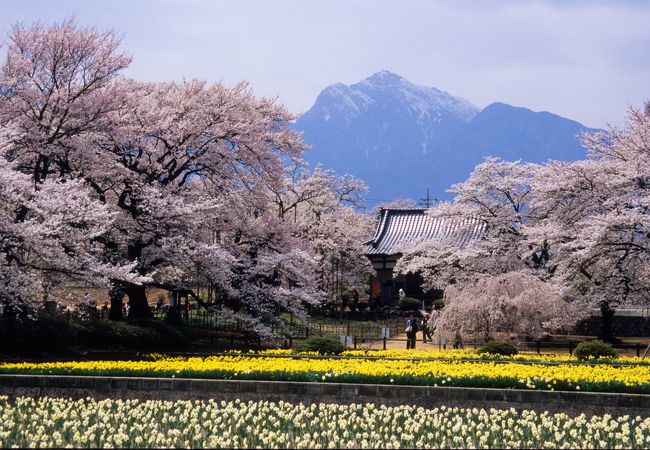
<point x="399" y="342"/>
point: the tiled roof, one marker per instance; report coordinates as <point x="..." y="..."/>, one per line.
<point x="397" y="226"/>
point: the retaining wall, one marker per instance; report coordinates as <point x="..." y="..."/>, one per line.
<point x="297" y="392"/>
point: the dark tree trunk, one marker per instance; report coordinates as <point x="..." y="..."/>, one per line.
<point x="607" y="332"/>
<point x="138" y="305"/>
<point x="116" y="295"/>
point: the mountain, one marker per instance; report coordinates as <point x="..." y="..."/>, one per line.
<point x="401" y="138"/>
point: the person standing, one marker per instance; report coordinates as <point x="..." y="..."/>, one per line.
<point x="104" y="311"/>
<point x="458" y="340"/>
<point x="411" y="332"/>
<point x="401" y="293"/>
<point x="426" y="329"/>
<point x="88" y="300"/>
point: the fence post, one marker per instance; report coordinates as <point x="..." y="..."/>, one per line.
<point x="384" y="342"/>
<point x="354" y="341"/>
<point x="539" y="346"/>
<point x="570" y="348"/>
<point x="638" y="349"/>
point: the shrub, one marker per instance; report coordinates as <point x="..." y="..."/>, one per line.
<point x="54" y="333"/>
<point x="321" y="345"/>
<point x="410" y="304"/>
<point x="347" y="296"/>
<point x="174" y="336"/>
<point x="503" y="348"/>
<point x="595" y="349"/>
<point x="438" y="304"/>
<point x="108" y="333"/>
<point x="46" y="333"/>
<point x="141" y="334"/>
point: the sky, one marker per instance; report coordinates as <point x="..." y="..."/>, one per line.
<point x="584" y="60"/>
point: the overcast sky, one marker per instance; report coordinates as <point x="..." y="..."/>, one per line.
<point x="587" y="61"/>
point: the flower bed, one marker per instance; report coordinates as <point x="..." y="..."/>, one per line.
<point x="425" y="372"/>
<point x="86" y="423"/>
<point x="472" y="355"/>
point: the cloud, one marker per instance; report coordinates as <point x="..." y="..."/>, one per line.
<point x="583" y="60"/>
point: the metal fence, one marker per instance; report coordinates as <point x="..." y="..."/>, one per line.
<point x="200" y="318"/>
<point x="360" y="335"/>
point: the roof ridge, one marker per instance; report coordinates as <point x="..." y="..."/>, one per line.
<point x="380" y="229"/>
<point x="399" y="225"/>
<point x="406" y="209"/>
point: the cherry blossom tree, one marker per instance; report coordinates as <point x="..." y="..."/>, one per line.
<point x="581" y="227"/>
<point x="493" y="281"/>
<point x="324" y="209"/>
<point x="513" y="302"/>
<point x="493" y="204"/>
<point x="177" y="155"/>
<point x="593" y="214"/>
<point x="56" y="86"/>
<point x="183" y="173"/>
<point x="395" y="204"/>
<point x="46" y="237"/>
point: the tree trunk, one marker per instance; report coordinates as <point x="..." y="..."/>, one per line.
<point x="138" y="305"/>
<point x="116" y="295"/>
<point x="607" y="332"/>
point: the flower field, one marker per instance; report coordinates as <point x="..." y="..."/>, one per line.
<point x="87" y="423"/>
<point x="279" y="365"/>
<point x="464" y="355"/>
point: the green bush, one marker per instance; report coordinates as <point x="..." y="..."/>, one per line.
<point x="594" y="350"/>
<point x="410" y="304"/>
<point x="108" y="333"/>
<point x="438" y="304"/>
<point x="140" y="334"/>
<point x="503" y="348"/>
<point x="320" y="345"/>
<point x="170" y="335"/>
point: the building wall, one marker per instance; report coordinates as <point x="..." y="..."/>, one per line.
<point x="385" y="284"/>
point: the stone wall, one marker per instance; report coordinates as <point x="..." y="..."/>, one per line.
<point x="299" y="392"/>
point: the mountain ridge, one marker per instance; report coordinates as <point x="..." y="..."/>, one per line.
<point x="402" y="138"/>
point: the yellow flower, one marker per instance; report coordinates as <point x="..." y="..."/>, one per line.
<point x="453" y="369"/>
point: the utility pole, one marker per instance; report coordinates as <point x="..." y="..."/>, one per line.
<point x="428" y="201"/>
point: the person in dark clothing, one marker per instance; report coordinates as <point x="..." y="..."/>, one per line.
<point x="411" y="332"/>
<point x="426" y="330"/>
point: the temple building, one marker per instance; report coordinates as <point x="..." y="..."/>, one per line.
<point x="397" y="226"/>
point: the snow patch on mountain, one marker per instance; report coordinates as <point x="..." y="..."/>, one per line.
<point x="423" y="101"/>
<point x="402" y="138"/>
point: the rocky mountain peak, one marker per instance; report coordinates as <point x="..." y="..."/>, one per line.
<point x="402" y="138"/>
